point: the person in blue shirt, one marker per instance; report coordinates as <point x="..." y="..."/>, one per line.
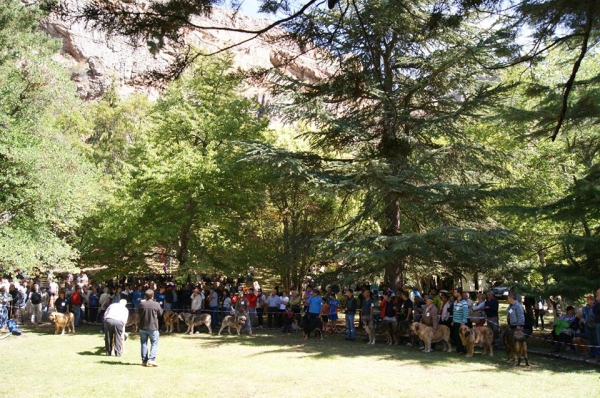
<point x="314" y="304"/>
<point x="334" y="304"/>
<point x="137" y="296"/>
<point x="93" y="304"/>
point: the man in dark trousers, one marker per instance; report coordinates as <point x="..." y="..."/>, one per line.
<point x="149" y="311"/>
<point x="115" y="319"/>
<point x="351" y="306"/>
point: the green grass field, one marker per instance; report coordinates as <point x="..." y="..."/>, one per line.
<point x="38" y="363"/>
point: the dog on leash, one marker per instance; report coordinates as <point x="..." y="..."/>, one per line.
<point x="308" y="325"/>
<point x="230" y="321"/>
<point x="193" y="320"/>
<point x="520" y="347"/>
<point x="580" y="345"/>
<point x="63" y="321"/>
<point x="515" y="344"/>
<point x="133" y="320"/>
<point x="171" y="320"/>
<point x="477" y="336"/>
<point x="390" y="330"/>
<point x="428" y="336"/>
<point x="370" y="330"/>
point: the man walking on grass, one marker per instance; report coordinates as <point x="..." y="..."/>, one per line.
<point x="149" y="311"/>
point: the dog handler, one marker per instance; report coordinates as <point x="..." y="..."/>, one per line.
<point x="115" y="319"/>
<point x="149" y="311"/>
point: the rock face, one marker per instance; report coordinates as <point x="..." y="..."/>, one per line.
<point x="96" y="61"/>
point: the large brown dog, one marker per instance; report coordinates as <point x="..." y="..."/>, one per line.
<point x="192" y="320"/>
<point x="230" y="322"/>
<point x="477" y="336"/>
<point x="520" y="348"/>
<point x="515" y="345"/>
<point x="62" y="321"/>
<point x="428" y="336"/>
<point x="133" y="320"/>
<point x="580" y="345"/>
<point x="171" y="320"/>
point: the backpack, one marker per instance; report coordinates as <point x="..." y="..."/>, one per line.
<point x="12" y="327"/>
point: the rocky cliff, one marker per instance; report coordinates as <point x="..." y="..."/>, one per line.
<point x="96" y="61"/>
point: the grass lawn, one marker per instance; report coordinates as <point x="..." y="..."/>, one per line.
<point x="269" y="365"/>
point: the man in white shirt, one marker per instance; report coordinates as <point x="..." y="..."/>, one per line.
<point x="273" y="302"/>
<point x="115" y="319"/>
<point x="197" y="299"/>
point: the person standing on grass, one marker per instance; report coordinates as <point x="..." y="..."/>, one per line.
<point x="149" y="311"/>
<point x="366" y="313"/>
<point x="35" y="297"/>
<point x="76" y="303"/>
<point x="515" y="313"/>
<point x="197" y="298"/>
<point x="490" y="309"/>
<point x="93" y="304"/>
<point x="213" y="305"/>
<point x="273" y="302"/>
<point x="115" y="319"/>
<point x="460" y="316"/>
<point x="596" y="311"/>
<point x="588" y="322"/>
<point x="351" y="306"/>
<point x="333" y="312"/>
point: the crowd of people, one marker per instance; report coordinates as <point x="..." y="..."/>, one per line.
<point x="27" y="300"/>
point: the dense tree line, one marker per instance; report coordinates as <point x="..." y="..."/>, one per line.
<point x="446" y="140"/>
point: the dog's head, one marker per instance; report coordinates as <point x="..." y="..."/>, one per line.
<point x="465" y="331"/>
<point x="416" y="327"/>
<point x="242" y="320"/>
<point x="54" y="316"/>
<point x="184" y="316"/>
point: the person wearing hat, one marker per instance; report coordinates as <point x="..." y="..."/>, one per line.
<point x="115" y="319"/>
<point x="429" y="316"/>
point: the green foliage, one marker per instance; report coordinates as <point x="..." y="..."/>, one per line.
<point x="185" y="188"/>
<point x="46" y="183"/>
<point x="401" y="104"/>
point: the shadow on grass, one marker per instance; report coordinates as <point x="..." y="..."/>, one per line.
<point x="335" y="346"/>
<point x="99" y="351"/>
<point x="105" y="362"/>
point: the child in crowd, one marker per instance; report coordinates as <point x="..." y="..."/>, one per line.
<point x="333" y="312"/>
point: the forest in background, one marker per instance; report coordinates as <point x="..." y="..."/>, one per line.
<point x="442" y="143"/>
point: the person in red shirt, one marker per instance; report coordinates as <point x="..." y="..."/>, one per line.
<point x="76" y="303"/>
<point x="252" y="299"/>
